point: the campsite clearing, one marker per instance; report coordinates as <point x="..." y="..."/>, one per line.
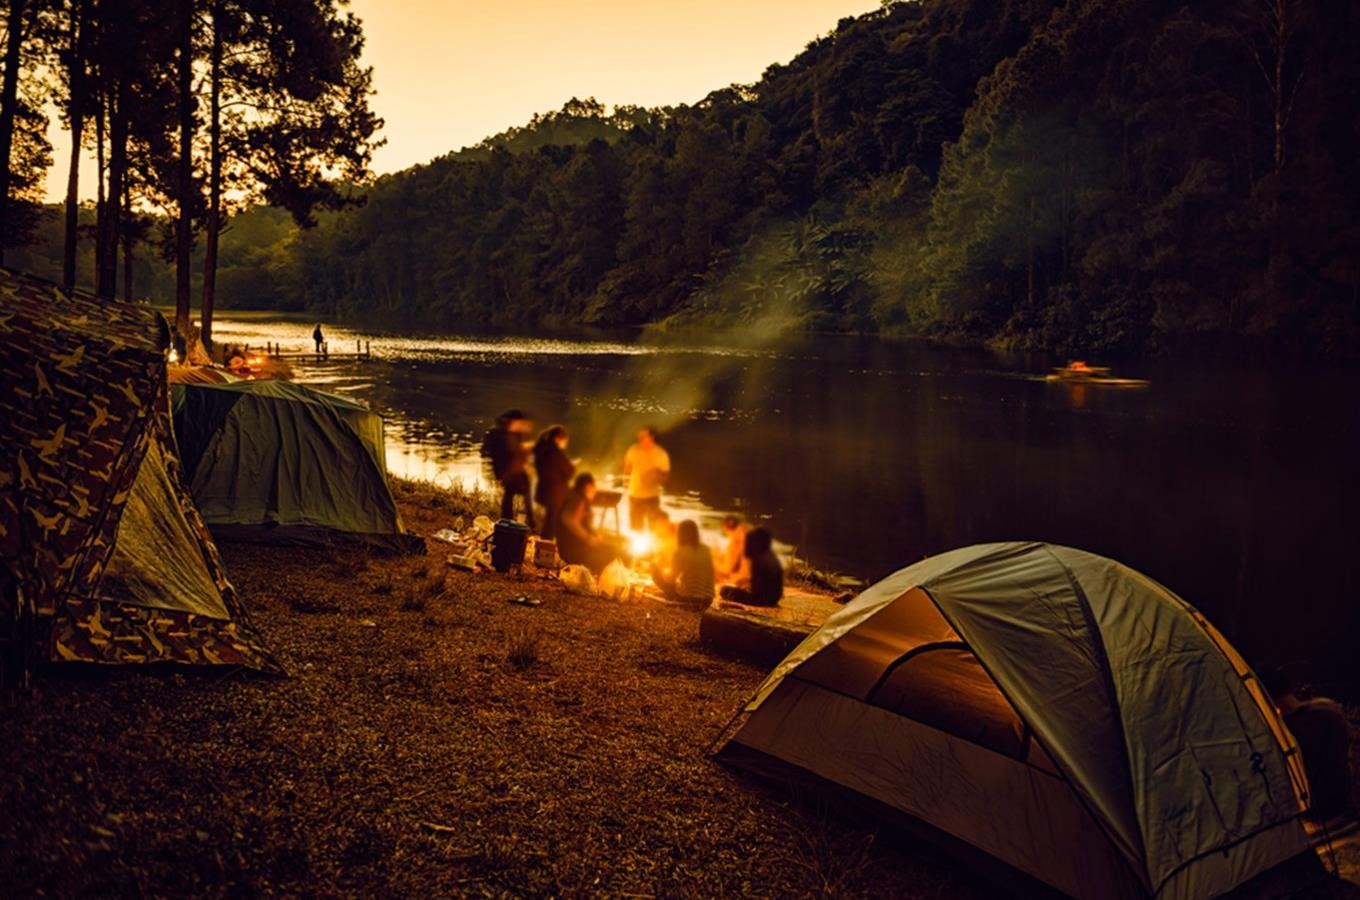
<point x="433" y="739"/>
<point x="428" y="742"/>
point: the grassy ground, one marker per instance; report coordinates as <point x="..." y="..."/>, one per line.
<point x="433" y="739"/>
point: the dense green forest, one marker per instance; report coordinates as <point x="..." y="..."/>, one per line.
<point x="1086" y="177"/>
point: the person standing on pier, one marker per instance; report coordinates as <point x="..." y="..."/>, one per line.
<point x="319" y="338"/>
<point x="648" y="467"/>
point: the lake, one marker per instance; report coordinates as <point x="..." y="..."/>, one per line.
<point x="1234" y="487"/>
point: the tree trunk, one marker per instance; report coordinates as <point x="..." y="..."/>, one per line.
<point x="128" y="241"/>
<point x="1029" y="257"/>
<point x="106" y="285"/>
<point x="184" y="241"/>
<point x="214" y="221"/>
<point x="1281" y="46"/>
<point x="9" y="95"/>
<point x="128" y="294"/>
<point x="1276" y="21"/>
<point x="101" y="198"/>
<point x="76" y="113"/>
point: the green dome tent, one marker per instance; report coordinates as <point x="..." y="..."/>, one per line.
<point x="273" y="461"/>
<point x="103" y="557"/>
<point x="1051" y="708"/>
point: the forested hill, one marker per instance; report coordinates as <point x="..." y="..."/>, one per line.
<point x="1094" y="176"/>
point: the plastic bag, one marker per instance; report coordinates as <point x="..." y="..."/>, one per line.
<point x="482" y="528"/>
<point x="577" y="579"/>
<point x="615" y="582"/>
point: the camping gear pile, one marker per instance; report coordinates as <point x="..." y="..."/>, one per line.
<point x="1050" y="708"/>
<point x="503" y="545"/>
<point x="103" y="557"/>
<point x="470" y="549"/>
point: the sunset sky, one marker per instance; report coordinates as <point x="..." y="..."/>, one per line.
<point x="451" y="73"/>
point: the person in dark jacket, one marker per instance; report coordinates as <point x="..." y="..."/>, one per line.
<point x="319" y="338"/>
<point x="1324" y="736"/>
<point x="577" y="540"/>
<point x="765" y="586"/>
<point x="554" y="475"/>
<point x="506" y="447"/>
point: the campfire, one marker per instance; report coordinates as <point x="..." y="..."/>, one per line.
<point x="641" y="544"/>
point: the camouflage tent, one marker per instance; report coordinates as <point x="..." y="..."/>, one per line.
<point x="104" y="557"/>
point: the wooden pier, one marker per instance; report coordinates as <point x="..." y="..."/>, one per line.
<point x="362" y="353"/>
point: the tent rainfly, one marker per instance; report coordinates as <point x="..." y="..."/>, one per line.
<point x="1053" y="709"/>
<point x="274" y="461"/>
<point x="103" y="557"/>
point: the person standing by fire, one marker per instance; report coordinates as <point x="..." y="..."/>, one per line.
<point x="648" y="467"/>
<point x="506" y="448"/>
<point x="554" y="470"/>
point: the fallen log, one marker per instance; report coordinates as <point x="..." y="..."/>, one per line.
<point x="749" y="636"/>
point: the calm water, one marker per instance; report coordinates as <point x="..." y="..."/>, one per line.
<point x="1235" y="488"/>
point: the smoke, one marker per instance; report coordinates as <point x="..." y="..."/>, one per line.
<point x="732" y="326"/>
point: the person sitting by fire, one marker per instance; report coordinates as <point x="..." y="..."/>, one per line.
<point x="555" y="471"/>
<point x="577" y="540"/>
<point x="732" y="566"/>
<point x="506" y="448"/>
<point x="689" y="577"/>
<point x="648" y="467"/>
<point x="765" y="586"/>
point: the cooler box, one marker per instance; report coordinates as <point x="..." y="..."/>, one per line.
<point x="508" y="543"/>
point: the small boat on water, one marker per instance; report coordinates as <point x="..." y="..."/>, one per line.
<point x="1078" y="372"/>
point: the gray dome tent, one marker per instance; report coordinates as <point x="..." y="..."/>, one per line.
<point x="274" y="461"/>
<point x="1052" y="708"/>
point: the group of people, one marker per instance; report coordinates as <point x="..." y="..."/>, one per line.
<point x="683" y="566"/>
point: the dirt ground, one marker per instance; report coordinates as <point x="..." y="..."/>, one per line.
<point x="432" y="739"/>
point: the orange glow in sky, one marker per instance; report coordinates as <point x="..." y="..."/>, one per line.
<point x="451" y="73"/>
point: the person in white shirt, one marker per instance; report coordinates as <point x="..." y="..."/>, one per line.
<point x="689" y="578"/>
<point x="648" y="467"/>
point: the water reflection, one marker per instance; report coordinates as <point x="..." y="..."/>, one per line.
<point x="1235" y="488"/>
